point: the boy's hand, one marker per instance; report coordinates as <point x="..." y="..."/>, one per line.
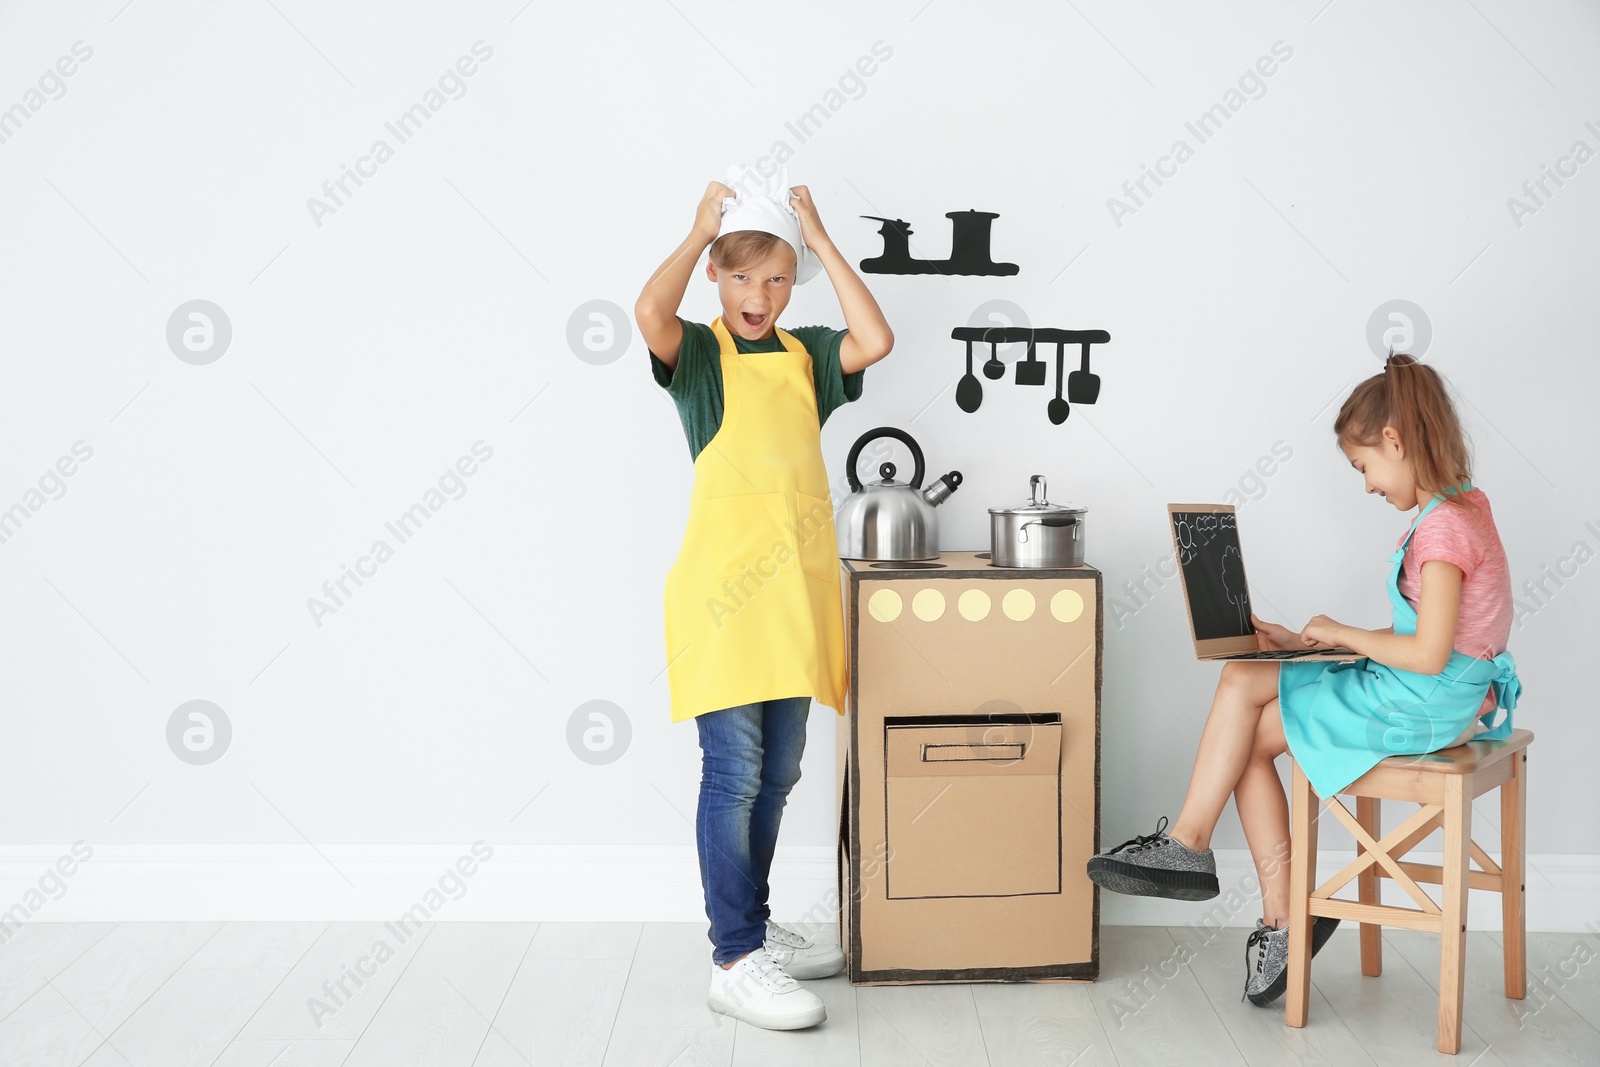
<point x="656" y="310"/>
<point x="867" y="337"/>
<point x="1269" y="635"/>
<point x="1321" y="632"/>
<point x="708" y="219"/>
<point x="811" y="231"/>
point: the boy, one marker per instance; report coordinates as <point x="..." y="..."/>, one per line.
<point x="754" y="621"/>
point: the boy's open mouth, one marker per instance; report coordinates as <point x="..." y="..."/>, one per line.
<point x="753" y="321"/>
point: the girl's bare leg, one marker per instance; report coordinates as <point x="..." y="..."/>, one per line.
<point x="1226" y="745"/>
<point x="1264" y="813"/>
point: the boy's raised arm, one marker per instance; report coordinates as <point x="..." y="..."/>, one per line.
<point x="869" y="338"/>
<point x="656" y="310"/>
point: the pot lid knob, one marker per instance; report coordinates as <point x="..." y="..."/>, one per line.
<point x="887" y="470"/>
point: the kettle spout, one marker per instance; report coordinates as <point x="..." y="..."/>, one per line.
<point x="936" y="493"/>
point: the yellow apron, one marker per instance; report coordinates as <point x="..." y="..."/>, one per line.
<point x="753" y="607"/>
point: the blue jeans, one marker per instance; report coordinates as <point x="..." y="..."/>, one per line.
<point x="750" y="759"/>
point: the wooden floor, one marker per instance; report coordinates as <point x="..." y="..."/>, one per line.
<point x="507" y="995"/>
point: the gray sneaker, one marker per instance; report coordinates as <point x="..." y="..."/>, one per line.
<point x="1272" y="958"/>
<point x="1155" y="865"/>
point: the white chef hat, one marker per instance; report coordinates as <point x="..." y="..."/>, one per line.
<point x="763" y="204"/>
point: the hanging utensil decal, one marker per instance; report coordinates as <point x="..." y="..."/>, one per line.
<point x="1058" y="409"/>
<point x="994" y="367"/>
<point x="1082" y="386"/>
<point x="1030" y="371"/>
<point x="969" y="391"/>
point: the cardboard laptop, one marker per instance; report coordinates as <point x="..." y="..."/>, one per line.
<point x="1205" y="538"/>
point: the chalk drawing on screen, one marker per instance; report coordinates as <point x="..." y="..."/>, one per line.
<point x="1213" y="573"/>
<point x="1196" y="529"/>
<point x="1233" y="584"/>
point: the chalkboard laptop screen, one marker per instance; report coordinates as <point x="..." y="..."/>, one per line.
<point x="1205" y="539"/>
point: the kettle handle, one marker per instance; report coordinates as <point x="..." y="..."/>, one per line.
<point x="872" y="435"/>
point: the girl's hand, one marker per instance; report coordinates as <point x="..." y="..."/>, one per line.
<point x="811" y="231"/>
<point x="1321" y="632"/>
<point x="1269" y="635"/>
<point x="708" y="218"/>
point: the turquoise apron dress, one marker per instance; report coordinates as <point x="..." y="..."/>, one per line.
<point x="1341" y="719"/>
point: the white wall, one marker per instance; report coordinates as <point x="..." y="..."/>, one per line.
<point x="373" y="346"/>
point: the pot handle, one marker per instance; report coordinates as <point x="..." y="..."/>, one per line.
<point x="872" y="435"/>
<point x="1057" y="520"/>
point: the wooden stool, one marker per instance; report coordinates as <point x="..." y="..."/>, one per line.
<point x="1445" y="783"/>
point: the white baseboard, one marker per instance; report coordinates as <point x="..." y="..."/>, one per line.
<point x="567" y="883"/>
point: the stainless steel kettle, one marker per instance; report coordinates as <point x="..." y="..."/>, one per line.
<point x="886" y="519"/>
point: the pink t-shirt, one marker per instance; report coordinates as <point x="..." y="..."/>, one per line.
<point x="1466" y="536"/>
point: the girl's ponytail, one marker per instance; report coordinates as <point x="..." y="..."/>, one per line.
<point x="1411" y="397"/>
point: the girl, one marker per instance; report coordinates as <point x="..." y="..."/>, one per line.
<point x="1431" y="680"/>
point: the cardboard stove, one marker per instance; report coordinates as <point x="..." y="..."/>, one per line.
<point x="969" y="772"/>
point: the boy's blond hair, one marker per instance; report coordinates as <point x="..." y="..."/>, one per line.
<point x="741" y="248"/>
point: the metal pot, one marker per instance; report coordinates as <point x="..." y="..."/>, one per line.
<point x="1036" y="534"/>
<point x="890" y="520"/>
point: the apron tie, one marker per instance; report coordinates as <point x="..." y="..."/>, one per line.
<point x="1507" y="690"/>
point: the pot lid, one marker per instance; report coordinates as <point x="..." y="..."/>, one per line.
<point x="1040" y="509"/>
<point x="1038" y="505"/>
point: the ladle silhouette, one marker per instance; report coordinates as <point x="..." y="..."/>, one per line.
<point x="1058" y="409"/>
<point x="969" y="391"/>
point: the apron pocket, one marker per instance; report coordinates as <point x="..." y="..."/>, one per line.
<point x="814" y="531"/>
<point x="744" y="536"/>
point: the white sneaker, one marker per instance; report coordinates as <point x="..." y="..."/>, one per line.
<point x="761" y="993"/>
<point x="801" y="956"/>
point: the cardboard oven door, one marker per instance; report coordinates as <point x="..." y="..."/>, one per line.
<point x="973" y="809"/>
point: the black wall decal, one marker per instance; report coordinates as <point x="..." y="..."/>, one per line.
<point x="1083" y="387"/>
<point x="969" y="248"/>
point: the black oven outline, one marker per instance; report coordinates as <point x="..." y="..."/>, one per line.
<point x="1041" y="718"/>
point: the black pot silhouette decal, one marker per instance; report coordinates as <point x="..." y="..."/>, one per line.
<point x="969" y="248"/>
